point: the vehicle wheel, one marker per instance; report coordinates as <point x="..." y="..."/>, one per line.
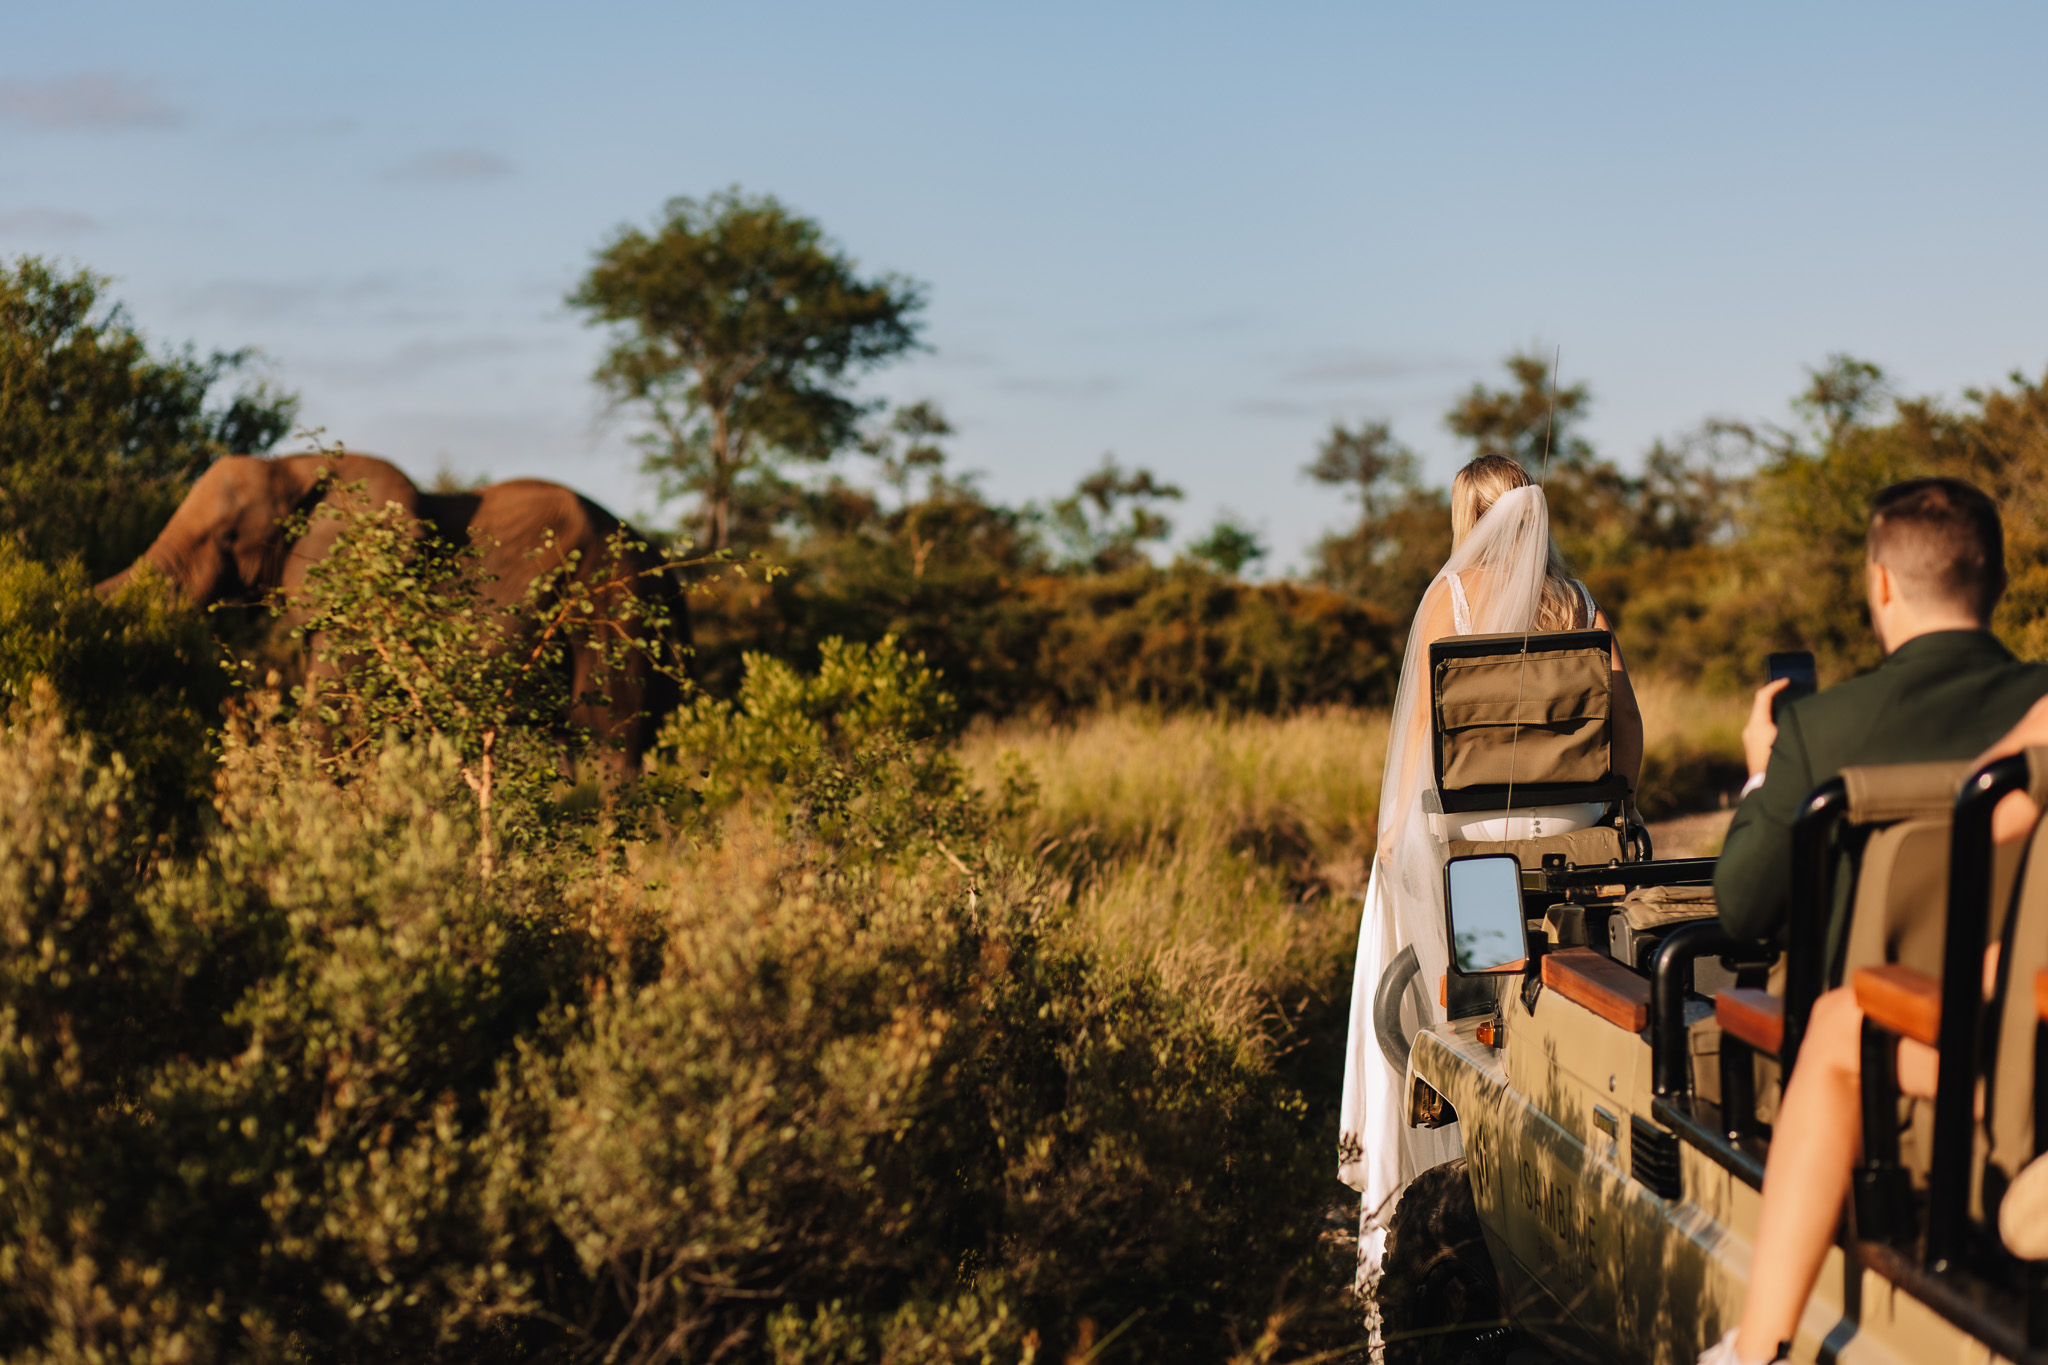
<point x="1438" y="1296"/>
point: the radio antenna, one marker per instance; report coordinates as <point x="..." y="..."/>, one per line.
<point x="1522" y="671"/>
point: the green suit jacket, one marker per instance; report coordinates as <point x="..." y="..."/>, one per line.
<point x="1945" y="695"/>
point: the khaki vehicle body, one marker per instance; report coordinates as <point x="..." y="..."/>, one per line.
<point x="1616" y="1200"/>
<point x="1556" y="1121"/>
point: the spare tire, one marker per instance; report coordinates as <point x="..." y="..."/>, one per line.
<point x="1439" y="1298"/>
<point x="1386" y="1009"/>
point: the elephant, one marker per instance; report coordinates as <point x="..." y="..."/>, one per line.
<point x="230" y="540"/>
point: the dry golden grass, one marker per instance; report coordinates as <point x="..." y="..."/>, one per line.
<point x="1206" y="844"/>
<point x="1677" y="713"/>
<point x="1241" y="845"/>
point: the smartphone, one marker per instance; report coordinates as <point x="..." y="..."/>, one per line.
<point x="1797" y="665"/>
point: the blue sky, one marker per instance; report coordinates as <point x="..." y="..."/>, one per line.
<point x="1193" y="235"/>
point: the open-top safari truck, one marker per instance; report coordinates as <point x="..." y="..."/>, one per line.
<point x="1612" y="1060"/>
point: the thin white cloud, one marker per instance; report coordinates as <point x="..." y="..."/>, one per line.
<point x="1366" y="367"/>
<point x="267" y="300"/>
<point x="1087" y="386"/>
<point x="91" y="101"/>
<point x="44" y="222"/>
<point x="415" y="358"/>
<point x="461" y="164"/>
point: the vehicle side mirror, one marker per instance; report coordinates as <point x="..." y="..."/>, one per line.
<point x="1483" y="902"/>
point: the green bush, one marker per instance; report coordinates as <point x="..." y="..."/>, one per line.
<point x="98" y="438"/>
<point x="1183" y="637"/>
<point x="851" y="753"/>
<point x="140" y="671"/>
<point x="319" y="1090"/>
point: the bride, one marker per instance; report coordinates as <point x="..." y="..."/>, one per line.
<point x="1504" y="575"/>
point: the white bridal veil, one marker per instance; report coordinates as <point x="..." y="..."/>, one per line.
<point x="1492" y="584"/>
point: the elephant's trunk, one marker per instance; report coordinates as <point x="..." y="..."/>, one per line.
<point x="178" y="569"/>
<point x="108" y="587"/>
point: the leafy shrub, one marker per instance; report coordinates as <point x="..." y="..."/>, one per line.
<point x="1184" y="637"/>
<point x="849" y="753"/>
<point x="139" y="670"/>
<point x="1188" y="638"/>
<point x="321" y="1090"/>
<point x="408" y="639"/>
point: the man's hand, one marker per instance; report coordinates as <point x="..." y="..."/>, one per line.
<point x="1762" y="731"/>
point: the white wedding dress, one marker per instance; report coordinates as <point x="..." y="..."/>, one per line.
<point x="1492" y="584"/>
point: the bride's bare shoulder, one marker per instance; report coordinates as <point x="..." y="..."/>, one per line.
<point x="1437" y="618"/>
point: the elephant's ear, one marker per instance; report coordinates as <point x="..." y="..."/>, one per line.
<point x="298" y="482"/>
<point x="298" y="485"/>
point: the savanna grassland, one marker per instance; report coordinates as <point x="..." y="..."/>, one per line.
<point x="962" y="978"/>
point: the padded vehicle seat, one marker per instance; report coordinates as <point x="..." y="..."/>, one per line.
<point x="1660" y="907"/>
<point x="1593" y="847"/>
<point x="1896" y="828"/>
<point x="1526" y="714"/>
<point x="1905" y="999"/>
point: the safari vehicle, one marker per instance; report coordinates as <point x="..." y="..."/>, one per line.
<point x="1611" y="1059"/>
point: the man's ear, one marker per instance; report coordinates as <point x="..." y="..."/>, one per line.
<point x="1884" y="589"/>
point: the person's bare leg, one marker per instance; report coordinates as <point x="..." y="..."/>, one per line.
<point x="1814" y="1147"/>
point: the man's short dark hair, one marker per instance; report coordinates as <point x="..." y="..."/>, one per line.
<point x="1942" y="540"/>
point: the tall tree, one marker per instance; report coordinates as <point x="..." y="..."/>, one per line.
<point x="1230" y="546"/>
<point x="98" y="437"/>
<point x="1533" y="420"/>
<point x="1841" y="394"/>
<point x="1112" y="514"/>
<point x="1403" y="530"/>
<point x="740" y="328"/>
<point x="1368" y="462"/>
<point x="1525" y="419"/>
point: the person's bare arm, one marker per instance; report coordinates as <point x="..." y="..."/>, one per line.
<point x="2017" y="813"/>
<point x="1628" y="716"/>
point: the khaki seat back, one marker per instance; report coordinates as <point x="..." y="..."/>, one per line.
<point x="1897" y="912"/>
<point x="1898" y="909"/>
<point x="1529" y="711"/>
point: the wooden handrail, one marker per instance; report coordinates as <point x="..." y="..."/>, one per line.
<point x="1756" y="1017"/>
<point x="1600" y="984"/>
<point x="1902" y="999"/>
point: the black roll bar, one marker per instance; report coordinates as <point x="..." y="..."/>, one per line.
<point x="1813" y="906"/>
<point x="1970" y="884"/>
<point x="1670" y="1057"/>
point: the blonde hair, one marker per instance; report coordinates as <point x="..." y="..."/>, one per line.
<point x="1474" y="490"/>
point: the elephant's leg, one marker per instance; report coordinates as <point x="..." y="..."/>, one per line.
<point x="321" y="672"/>
<point x="607" y="703"/>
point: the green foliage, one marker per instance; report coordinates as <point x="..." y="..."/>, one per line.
<point x="97" y="437"/>
<point x="739" y="328"/>
<point x="1187" y="638"/>
<point x="1403" y="534"/>
<point x="1179" y="637"/>
<point x="1533" y="420"/>
<point x="319" y="1090"/>
<point x="1230" y="547"/>
<point x="847" y="751"/>
<point x="1112" y="514"/>
<point x="140" y="671"/>
<point x="411" y="643"/>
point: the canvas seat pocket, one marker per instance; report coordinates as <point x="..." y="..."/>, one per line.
<point x="1543" y="718"/>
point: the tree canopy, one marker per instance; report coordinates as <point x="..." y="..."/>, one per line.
<point x="98" y="436"/>
<point x="739" y="329"/>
